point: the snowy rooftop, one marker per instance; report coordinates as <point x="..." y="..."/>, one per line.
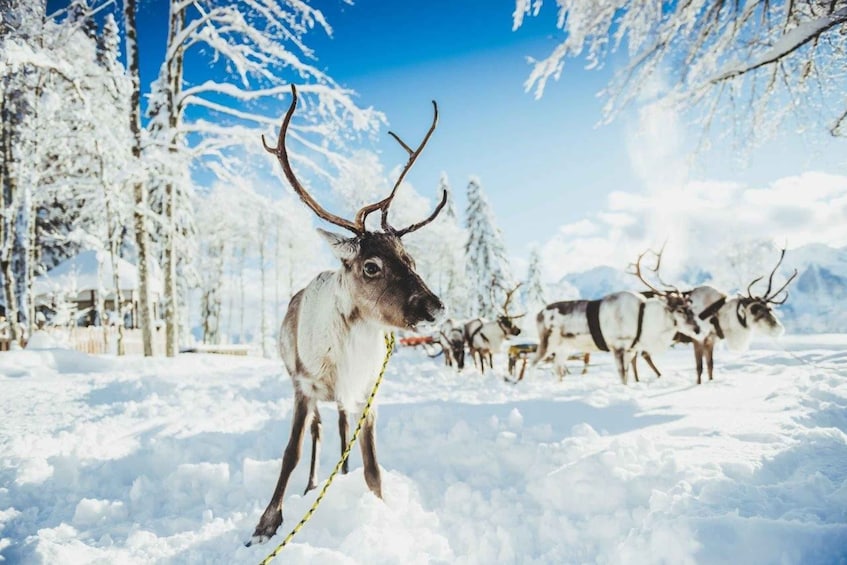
<point x="92" y="270"/>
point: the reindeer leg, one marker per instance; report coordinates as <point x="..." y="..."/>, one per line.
<point x="650" y="362"/>
<point x="272" y="516"/>
<point x="698" y="358"/>
<point x="368" y="447"/>
<point x="490" y="360"/>
<point x="342" y="431"/>
<point x="620" y="361"/>
<point x="316" y="449"/>
<point x="585" y="359"/>
<point x="635" y="366"/>
<point x="709" y="347"/>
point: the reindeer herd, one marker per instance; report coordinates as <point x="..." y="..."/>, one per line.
<point x="331" y="339"/>
<point x="626" y="324"/>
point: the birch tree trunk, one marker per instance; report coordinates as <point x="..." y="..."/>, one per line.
<point x="173" y="80"/>
<point x="138" y="188"/>
<point x="8" y="228"/>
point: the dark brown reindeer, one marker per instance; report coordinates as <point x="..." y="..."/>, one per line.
<point x="331" y="339"/>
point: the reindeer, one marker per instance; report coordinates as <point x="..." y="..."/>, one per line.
<point x="484" y="337"/>
<point x="621" y="322"/>
<point x="451" y="337"/>
<point x="331" y="339"/>
<point x="733" y="319"/>
<point x="675" y="298"/>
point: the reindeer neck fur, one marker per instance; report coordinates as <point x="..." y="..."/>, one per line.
<point x="737" y="336"/>
<point x="659" y="327"/>
<point x="339" y="349"/>
<point x="495" y="334"/>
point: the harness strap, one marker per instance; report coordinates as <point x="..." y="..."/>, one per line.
<point x="593" y="313"/>
<point x="475" y="333"/>
<point x="717" y="325"/>
<point x="741" y="320"/>
<point x="711" y="314"/>
<point x="712" y="308"/>
<point x="640" y="324"/>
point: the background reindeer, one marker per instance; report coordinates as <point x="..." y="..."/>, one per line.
<point x="451" y="337"/>
<point x="484" y="338"/>
<point x="733" y="319"/>
<point x="675" y="299"/>
<point x="331" y="339"/>
<point x="621" y="322"/>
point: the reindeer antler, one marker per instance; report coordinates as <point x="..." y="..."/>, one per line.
<point x="282" y="156"/>
<point x="357" y="226"/>
<point x="385" y="204"/>
<point x="658" y="266"/>
<point x="768" y="296"/>
<point x="509" y="295"/>
<point x="637" y="272"/>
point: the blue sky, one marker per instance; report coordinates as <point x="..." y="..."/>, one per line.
<point x="543" y="163"/>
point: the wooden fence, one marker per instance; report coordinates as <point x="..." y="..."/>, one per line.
<point x="99" y="340"/>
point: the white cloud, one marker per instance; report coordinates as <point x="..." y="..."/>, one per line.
<point x="583" y="227"/>
<point x="700" y="220"/>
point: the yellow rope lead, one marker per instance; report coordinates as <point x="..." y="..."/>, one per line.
<point x="389" y="349"/>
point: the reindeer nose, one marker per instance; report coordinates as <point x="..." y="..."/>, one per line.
<point x="426" y="307"/>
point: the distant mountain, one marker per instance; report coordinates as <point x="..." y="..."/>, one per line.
<point x="817" y="300"/>
<point x="595" y="283"/>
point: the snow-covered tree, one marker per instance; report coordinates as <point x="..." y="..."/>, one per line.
<point x="767" y="60"/>
<point x="487" y="267"/>
<point x="58" y="100"/>
<point x="255" y="48"/>
<point x="140" y="223"/>
<point x="442" y="250"/>
<point x="534" y="293"/>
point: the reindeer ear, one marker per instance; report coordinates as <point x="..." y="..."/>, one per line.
<point x="342" y="247"/>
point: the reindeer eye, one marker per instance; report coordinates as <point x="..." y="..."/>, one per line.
<point x="372" y="268"/>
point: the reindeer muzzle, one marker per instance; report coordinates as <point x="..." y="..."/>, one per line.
<point x="424" y="307"/>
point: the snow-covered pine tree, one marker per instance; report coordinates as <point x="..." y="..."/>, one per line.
<point x="534" y="293"/>
<point x="452" y="280"/>
<point x="487" y="266"/>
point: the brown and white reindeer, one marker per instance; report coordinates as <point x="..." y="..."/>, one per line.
<point x="484" y="337"/>
<point x="451" y="338"/>
<point x="621" y="322"/>
<point x="331" y="339"/>
<point x="732" y="319"/>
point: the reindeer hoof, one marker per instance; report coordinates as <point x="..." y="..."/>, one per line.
<point x="310" y="486"/>
<point x="266" y="528"/>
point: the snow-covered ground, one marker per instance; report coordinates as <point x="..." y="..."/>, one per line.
<point x="110" y="460"/>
